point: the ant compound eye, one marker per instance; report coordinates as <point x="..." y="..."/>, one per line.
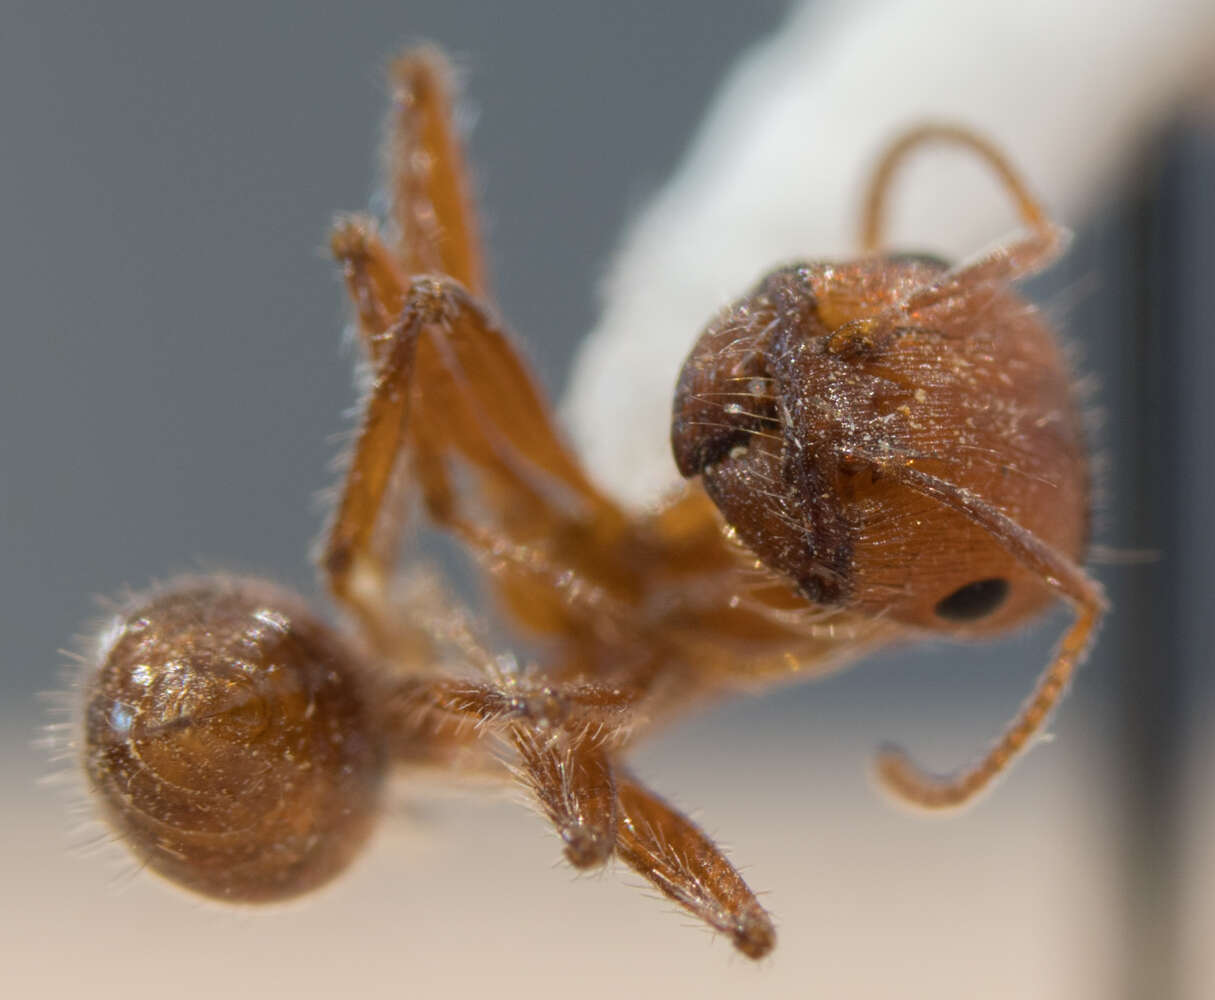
<point x="974" y="601"/>
<point x="228" y="739"/>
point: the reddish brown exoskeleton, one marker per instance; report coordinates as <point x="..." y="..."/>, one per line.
<point x="876" y="449"/>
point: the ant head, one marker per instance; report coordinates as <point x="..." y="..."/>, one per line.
<point x="227" y="736"/>
<point x="818" y="407"/>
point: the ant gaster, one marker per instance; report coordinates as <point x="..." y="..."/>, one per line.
<point x="875" y="450"/>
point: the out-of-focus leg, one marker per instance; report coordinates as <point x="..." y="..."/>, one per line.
<point x="426" y="175"/>
<point x="450" y="386"/>
<point x="373" y="280"/>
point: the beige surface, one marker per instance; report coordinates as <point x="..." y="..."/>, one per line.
<point x="1195" y="872"/>
<point x="1018" y="898"/>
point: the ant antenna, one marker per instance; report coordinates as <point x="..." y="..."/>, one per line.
<point x="895" y="769"/>
<point x="874" y="214"/>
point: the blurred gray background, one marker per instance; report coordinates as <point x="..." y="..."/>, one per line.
<point x="171" y="383"/>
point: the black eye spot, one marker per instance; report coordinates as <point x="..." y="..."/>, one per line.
<point x="975" y="600"/>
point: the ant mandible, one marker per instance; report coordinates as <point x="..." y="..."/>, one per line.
<point x="875" y="449"/>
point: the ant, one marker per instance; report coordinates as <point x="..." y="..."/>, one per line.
<point x="875" y="450"/>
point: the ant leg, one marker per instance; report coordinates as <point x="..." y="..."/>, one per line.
<point x="604" y="713"/>
<point x="571" y="778"/>
<point x="896" y="771"/>
<point x="560" y="737"/>
<point x="670" y="851"/>
<point x="450" y="385"/>
<point x="559" y="732"/>
<point x="373" y="281"/>
<point x="468" y="398"/>
<point x="428" y="190"/>
<point x="426" y="175"/>
<point x="437" y="226"/>
<point x="427" y="181"/>
<point x="439" y="236"/>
